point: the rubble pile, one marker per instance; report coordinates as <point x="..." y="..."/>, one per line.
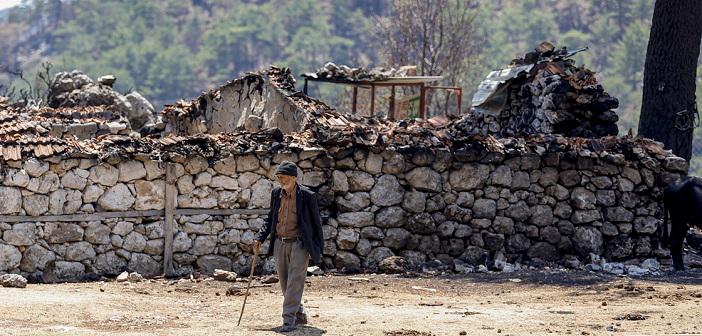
<point x="236" y="113"/>
<point x="283" y="80"/>
<point x="541" y="93"/>
<point x="331" y="71"/>
<point x="76" y="89"/>
<point x="80" y="109"/>
<point x="332" y="128"/>
<point x="45" y="132"/>
<point x="83" y="132"/>
<point x="175" y="147"/>
<point x="62" y="131"/>
<point x="259" y="100"/>
<point x="318" y="124"/>
<point x="599" y="264"/>
<point x="183" y="118"/>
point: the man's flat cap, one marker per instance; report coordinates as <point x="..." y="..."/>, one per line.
<point x="286" y="168"/>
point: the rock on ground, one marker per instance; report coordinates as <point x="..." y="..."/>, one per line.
<point x="222" y="275"/>
<point x="122" y="277"/>
<point x="393" y="264"/>
<point x="13" y="280"/>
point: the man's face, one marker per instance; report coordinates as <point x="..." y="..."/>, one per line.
<point x="286" y="180"/>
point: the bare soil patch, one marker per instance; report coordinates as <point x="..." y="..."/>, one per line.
<point x="531" y="303"/>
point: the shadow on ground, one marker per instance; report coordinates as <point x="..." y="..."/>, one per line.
<point x="579" y="278"/>
<point x="301" y="330"/>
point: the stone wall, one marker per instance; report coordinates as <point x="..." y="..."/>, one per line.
<point x="54" y="251"/>
<point x="425" y="205"/>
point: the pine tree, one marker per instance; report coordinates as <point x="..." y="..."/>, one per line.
<point x="669" y="108"/>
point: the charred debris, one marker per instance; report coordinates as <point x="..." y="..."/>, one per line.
<point x="541" y="103"/>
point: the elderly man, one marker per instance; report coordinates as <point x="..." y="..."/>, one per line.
<point x="296" y="233"/>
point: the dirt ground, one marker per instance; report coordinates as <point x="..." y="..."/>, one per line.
<point x="533" y="303"/>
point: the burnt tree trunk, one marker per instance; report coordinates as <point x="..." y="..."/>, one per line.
<point x="668" y="109"/>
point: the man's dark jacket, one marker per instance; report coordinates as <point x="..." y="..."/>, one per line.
<point x="308" y="221"/>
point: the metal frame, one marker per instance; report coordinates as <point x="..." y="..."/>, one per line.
<point x="455" y="89"/>
<point x="392" y="82"/>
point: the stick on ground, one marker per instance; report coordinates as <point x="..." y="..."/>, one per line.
<point x="246" y="296"/>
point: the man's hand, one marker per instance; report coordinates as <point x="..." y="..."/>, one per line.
<point x="257" y="246"/>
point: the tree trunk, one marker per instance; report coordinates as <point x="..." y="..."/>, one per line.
<point x="668" y="109"/>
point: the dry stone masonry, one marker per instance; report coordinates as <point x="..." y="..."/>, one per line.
<point x="456" y="207"/>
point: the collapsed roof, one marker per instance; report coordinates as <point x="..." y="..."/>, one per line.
<point x="256" y="101"/>
<point x="263" y="111"/>
<point x="331" y="131"/>
<point x="80" y="109"/>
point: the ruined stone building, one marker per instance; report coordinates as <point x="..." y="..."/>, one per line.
<point x="254" y="102"/>
<point x="83" y="194"/>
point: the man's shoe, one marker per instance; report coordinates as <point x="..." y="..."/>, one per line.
<point x="302" y="320"/>
<point x="287" y="328"/>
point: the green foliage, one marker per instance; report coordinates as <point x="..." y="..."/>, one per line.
<point x="172" y="49"/>
<point x="696" y="159"/>
<point x="624" y="74"/>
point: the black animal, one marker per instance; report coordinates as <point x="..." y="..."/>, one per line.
<point x="682" y="200"/>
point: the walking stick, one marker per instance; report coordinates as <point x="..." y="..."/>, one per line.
<point x="246" y="296"/>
